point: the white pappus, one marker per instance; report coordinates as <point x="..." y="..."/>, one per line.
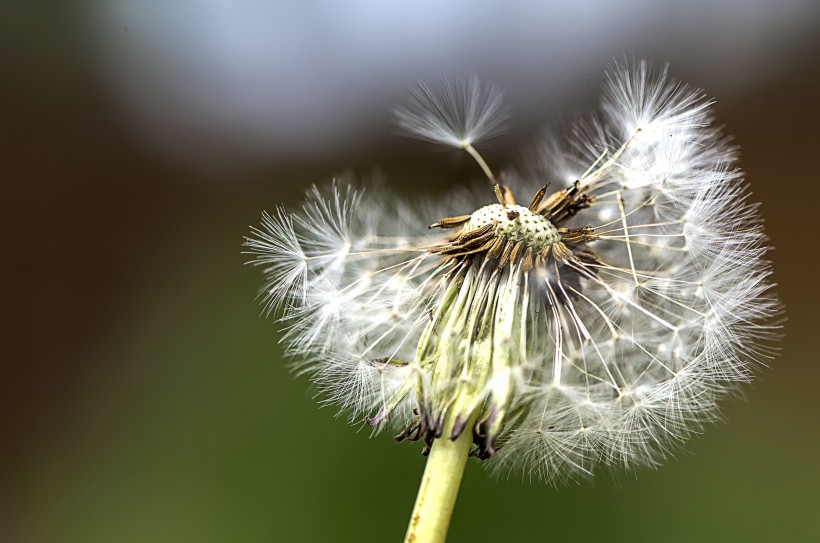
<point x="597" y="323"/>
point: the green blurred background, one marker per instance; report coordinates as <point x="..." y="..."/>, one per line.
<point x="143" y="399"/>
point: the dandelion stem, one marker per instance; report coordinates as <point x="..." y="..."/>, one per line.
<point x="439" y="488"/>
<point x="473" y="153"/>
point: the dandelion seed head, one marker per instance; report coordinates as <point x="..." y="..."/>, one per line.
<point x="599" y="325"/>
<point x="516" y="223"/>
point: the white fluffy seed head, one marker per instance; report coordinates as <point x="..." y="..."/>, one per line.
<point x="612" y="355"/>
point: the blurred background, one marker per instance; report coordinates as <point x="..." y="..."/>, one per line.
<point x="143" y="399"/>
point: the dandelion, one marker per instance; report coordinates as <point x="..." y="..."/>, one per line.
<point x="595" y="324"/>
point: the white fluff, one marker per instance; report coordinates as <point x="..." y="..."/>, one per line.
<point x="614" y="369"/>
<point x="465" y="112"/>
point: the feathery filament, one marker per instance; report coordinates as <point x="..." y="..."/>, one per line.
<point x="599" y="325"/>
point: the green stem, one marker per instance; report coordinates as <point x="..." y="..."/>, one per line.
<point x="439" y="488"/>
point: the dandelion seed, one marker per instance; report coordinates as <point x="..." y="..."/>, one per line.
<point x="599" y="324"/>
<point x="465" y="113"/>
